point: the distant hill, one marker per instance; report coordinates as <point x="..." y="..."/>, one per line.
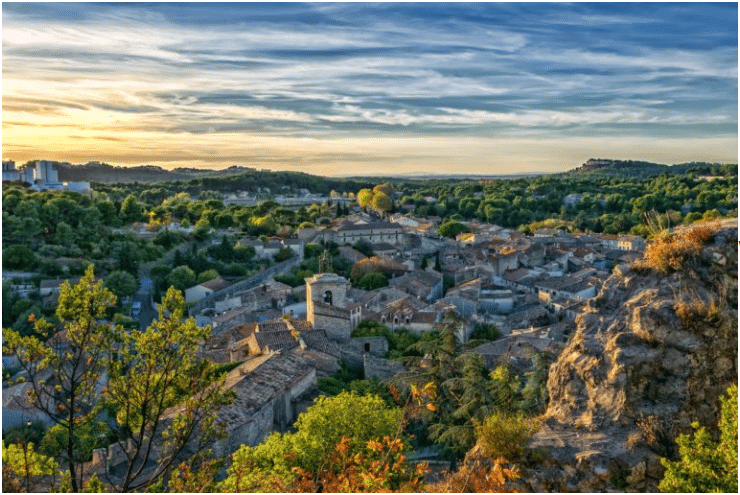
<point x="640" y="169"/>
<point x="104" y="173"/>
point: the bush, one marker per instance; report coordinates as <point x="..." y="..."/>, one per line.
<point x="372" y="281"/>
<point x="505" y="435"/>
<point x="706" y="465"/>
<point x="670" y="251"/>
<point x="485" y="331"/>
<point x="17" y="256"/>
<point x="284" y="254"/>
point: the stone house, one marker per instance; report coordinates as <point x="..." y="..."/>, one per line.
<point x="198" y="292"/>
<point x="266" y="389"/>
<point x="371" y="232"/>
<point x="351" y="254"/>
<point x="424" y="284"/>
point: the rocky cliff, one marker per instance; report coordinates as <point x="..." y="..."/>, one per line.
<point x="652" y="353"/>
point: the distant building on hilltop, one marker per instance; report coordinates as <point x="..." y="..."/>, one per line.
<point x="42" y="175"/>
<point x="10" y="173"/>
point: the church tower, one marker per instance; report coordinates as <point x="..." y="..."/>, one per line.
<point x="326" y="305"/>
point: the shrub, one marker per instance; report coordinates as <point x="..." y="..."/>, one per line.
<point x="505" y="435"/>
<point x="372" y="280"/>
<point x="670" y="251"/>
<point x="706" y="465"/>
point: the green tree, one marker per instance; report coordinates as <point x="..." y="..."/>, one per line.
<point x="284" y="254"/>
<point x="181" y="277"/>
<point x="505" y="434"/>
<point x="451" y="229"/>
<point x="17" y="256"/>
<point x="131" y="210"/>
<point x="485" y="331"/>
<point x="206" y="276"/>
<point x="123" y="284"/>
<point x="372" y="281"/>
<point x="202" y="229"/>
<point x="74" y="359"/>
<point x="706" y="465"/>
<point x="370" y="328"/>
<point x="162" y="393"/>
<point x="24" y="462"/>
<point x="359" y="418"/>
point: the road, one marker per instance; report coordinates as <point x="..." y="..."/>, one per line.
<point x="144" y="296"/>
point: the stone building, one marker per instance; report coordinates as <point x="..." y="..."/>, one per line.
<point x="327" y="305"/>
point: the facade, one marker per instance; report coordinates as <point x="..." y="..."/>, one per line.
<point x="371" y="232"/>
<point x="10" y="173"/>
<point x="198" y="292"/>
<point x="326" y="305"/>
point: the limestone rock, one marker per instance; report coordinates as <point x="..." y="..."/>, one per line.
<point x="651" y="354"/>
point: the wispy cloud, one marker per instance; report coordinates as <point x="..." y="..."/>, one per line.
<point x="422" y="72"/>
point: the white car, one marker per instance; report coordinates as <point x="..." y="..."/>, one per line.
<point x="136" y="308"/>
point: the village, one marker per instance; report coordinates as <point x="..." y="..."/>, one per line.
<point x="532" y="288"/>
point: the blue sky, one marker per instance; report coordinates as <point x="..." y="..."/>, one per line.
<point x="358" y="88"/>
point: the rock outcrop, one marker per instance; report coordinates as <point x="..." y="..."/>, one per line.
<point x="652" y="353"/>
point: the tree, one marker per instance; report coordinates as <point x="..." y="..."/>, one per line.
<point x="202" y="229"/>
<point x="485" y="331"/>
<point x="163" y="394"/>
<point x="451" y="229"/>
<point x="358" y="418"/>
<point x="505" y="434"/>
<point x="123" y="284"/>
<point x="372" y="281"/>
<point x="74" y="358"/>
<point x="131" y="210"/>
<point x="706" y="465"/>
<point x="370" y="328"/>
<point x="181" y="278"/>
<point x="206" y="276"/>
<point x="22" y="461"/>
<point x="17" y="256"/>
<point x="160" y="394"/>
<point x="284" y="254"/>
<point x="365" y="198"/>
<point x="381" y="203"/>
<point x="384" y="188"/>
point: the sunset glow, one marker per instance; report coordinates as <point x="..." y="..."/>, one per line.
<point x="361" y="89"/>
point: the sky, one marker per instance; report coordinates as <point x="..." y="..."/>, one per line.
<point x="341" y="89"/>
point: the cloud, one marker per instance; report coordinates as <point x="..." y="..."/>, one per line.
<point x="213" y="72"/>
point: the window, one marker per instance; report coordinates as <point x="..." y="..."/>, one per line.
<point x="328" y="297"/>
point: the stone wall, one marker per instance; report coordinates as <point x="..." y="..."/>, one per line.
<point x="382" y="369"/>
<point x="376" y="346"/>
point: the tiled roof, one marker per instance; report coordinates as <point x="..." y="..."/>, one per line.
<point x="317" y="339"/>
<point x="369" y="226"/>
<point x="259" y="380"/>
<point x="216" y="284"/>
<point x="424" y="317"/>
<point x="275" y="340"/>
<point x="272" y="326"/>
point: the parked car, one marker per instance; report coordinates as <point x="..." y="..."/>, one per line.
<point x="136" y="308"/>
